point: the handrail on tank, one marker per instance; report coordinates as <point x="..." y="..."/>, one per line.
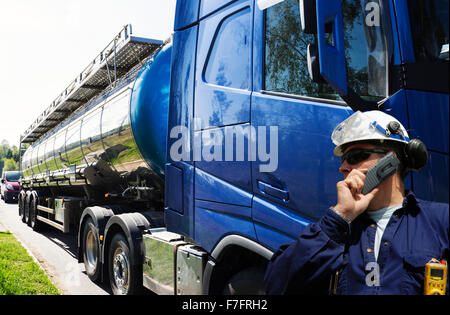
<point x="112" y="47"/>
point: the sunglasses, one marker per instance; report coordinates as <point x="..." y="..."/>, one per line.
<point x="356" y="156"/>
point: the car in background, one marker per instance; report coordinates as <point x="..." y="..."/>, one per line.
<point x="10" y="186"/>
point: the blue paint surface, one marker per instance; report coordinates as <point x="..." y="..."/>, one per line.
<point x="149" y="110"/>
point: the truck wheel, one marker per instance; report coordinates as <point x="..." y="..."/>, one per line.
<point x="249" y="281"/>
<point x="91" y="250"/>
<point x="26" y="209"/>
<point x="33" y="222"/>
<point x="20" y="205"/>
<point x="22" y="208"/>
<point x="125" y="279"/>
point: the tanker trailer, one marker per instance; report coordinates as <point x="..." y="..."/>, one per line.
<point x="104" y="157"/>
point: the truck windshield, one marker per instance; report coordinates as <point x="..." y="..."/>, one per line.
<point x="429" y="27"/>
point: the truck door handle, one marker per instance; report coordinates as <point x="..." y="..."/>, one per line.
<point x="273" y="191"/>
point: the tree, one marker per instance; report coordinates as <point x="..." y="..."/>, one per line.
<point x="11" y="165"/>
<point x="9" y="157"/>
<point x="15" y="153"/>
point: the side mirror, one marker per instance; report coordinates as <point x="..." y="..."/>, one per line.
<point x="314" y="64"/>
<point x="308" y="16"/>
<point x="3" y="181"/>
<point x="326" y="59"/>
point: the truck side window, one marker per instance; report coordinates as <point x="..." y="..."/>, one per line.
<point x="286" y="68"/>
<point x="229" y="60"/>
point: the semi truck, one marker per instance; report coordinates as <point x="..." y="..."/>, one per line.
<point x="183" y="165"/>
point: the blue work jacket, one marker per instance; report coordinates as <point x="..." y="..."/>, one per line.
<point x="334" y="257"/>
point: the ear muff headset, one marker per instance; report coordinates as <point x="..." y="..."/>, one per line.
<point x="416" y="153"/>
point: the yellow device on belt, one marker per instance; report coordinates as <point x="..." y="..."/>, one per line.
<point x="435" y="277"/>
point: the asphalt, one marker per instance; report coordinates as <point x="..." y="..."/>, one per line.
<point x="54" y="251"/>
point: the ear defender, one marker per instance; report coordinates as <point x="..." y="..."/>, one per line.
<point x="416" y="155"/>
<point x="415" y="150"/>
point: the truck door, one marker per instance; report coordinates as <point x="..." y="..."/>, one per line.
<point x="223" y="188"/>
<point x="424" y="40"/>
<point x="302" y="186"/>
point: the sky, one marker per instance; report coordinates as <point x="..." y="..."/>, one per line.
<point x="45" y="44"/>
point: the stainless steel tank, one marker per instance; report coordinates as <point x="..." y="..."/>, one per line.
<point x="97" y="147"/>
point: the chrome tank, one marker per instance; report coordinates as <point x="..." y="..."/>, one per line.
<point x="116" y="141"/>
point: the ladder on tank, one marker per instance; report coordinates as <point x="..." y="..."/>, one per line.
<point x="120" y="56"/>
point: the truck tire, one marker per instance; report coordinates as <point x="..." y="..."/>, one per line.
<point x="249" y="281"/>
<point x="124" y="277"/>
<point x="26" y="209"/>
<point x="91" y="250"/>
<point x="33" y="222"/>
<point x="20" y="204"/>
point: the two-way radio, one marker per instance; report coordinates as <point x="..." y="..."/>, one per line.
<point x="385" y="167"/>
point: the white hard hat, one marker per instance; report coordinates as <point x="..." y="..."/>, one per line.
<point x="363" y="126"/>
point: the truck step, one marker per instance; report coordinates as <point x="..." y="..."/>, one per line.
<point x="52" y="223"/>
<point x="45" y="209"/>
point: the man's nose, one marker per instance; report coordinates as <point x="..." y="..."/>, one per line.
<point x="345" y="168"/>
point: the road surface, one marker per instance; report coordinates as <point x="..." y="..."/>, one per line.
<point x="56" y="253"/>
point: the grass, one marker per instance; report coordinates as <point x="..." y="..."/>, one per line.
<point x="19" y="274"/>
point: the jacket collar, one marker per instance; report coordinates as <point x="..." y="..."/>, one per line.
<point x="410" y="199"/>
<point x="410" y="202"/>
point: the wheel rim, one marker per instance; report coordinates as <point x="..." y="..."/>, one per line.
<point x="91" y="251"/>
<point x="121" y="271"/>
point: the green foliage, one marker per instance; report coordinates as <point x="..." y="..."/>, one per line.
<point x="11" y="165"/>
<point x="9" y="157"/>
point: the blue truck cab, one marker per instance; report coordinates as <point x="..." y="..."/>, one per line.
<point x="185" y="164"/>
<point x="273" y="83"/>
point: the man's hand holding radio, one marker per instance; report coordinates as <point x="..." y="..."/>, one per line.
<point x="351" y="202"/>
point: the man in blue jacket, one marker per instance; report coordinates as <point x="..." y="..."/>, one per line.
<point x="376" y="243"/>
